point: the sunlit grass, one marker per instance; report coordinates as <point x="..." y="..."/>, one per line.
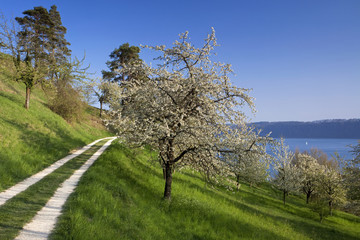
<point x="35" y="138"/>
<point x="120" y="198"/>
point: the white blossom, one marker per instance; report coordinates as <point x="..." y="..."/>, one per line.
<point x="184" y="108"/>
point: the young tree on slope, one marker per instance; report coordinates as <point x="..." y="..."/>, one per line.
<point x="183" y="108"/>
<point x="101" y="90"/>
<point x="249" y="161"/>
<point x="309" y="169"/>
<point x="288" y="178"/>
<point x="57" y="45"/>
<point x="331" y="186"/>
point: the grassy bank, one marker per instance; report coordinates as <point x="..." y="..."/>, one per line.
<point x="33" y="139"/>
<point x="126" y="203"/>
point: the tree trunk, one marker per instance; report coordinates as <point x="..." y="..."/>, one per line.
<point x="168" y="181"/>
<point x="284" y="196"/>
<point x="330" y="207"/>
<point x="101" y="108"/>
<point x="307" y="197"/>
<point x="238" y="182"/>
<point x="27" y="98"/>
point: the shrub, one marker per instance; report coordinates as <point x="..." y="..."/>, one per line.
<point x="67" y="103"/>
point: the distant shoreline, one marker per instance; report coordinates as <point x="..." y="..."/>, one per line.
<point x="324" y="129"/>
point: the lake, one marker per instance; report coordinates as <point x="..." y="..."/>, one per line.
<point x="327" y="145"/>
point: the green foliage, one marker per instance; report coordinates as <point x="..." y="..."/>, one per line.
<point x="67" y="103"/>
<point x="67" y="99"/>
<point x="124" y="204"/>
<point x="121" y="56"/>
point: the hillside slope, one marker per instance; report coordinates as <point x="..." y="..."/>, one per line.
<point x="33" y="139"/>
<point x="126" y="192"/>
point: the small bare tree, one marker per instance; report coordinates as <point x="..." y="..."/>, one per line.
<point x="101" y="90"/>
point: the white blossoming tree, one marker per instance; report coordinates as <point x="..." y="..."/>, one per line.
<point x="331" y="187"/>
<point x="248" y="161"/>
<point x="288" y="177"/>
<point x="309" y="169"/>
<point x="184" y="108"/>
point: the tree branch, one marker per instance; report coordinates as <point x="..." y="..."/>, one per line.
<point x="183" y="153"/>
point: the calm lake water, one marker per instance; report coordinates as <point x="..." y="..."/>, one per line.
<point x="329" y="145"/>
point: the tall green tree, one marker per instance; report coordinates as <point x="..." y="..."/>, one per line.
<point x="41" y="45"/>
<point x="120" y="57"/>
<point x="57" y="46"/>
<point x="31" y="45"/>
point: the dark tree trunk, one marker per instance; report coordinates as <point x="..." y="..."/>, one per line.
<point x="168" y="181"/>
<point x="164" y="173"/>
<point x="308" y="194"/>
<point x="330" y="207"/>
<point x="284" y="196"/>
<point x="27" y="98"/>
<point x="238" y="182"/>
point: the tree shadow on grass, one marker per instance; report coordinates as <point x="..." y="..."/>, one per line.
<point x="220" y="221"/>
<point x="306" y="226"/>
<point x="43" y="143"/>
<point x="194" y="213"/>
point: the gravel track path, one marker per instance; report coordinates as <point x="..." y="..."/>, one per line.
<point x="43" y="223"/>
<point x="22" y="186"/>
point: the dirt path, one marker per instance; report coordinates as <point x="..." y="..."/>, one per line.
<point x="22" y="186"/>
<point x="43" y="223"/>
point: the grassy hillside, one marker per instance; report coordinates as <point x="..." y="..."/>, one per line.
<point x="33" y="139"/>
<point x="125" y="203"/>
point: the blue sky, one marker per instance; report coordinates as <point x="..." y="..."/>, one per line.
<point x="300" y="57"/>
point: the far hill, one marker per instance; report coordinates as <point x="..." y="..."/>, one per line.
<point x="335" y="128"/>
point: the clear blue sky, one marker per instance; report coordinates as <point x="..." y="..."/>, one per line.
<point x="300" y="57"/>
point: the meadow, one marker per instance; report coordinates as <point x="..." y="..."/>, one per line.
<point x="120" y="197"/>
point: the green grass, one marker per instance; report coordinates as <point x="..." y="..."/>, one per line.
<point x="120" y="198"/>
<point x="19" y="210"/>
<point x="35" y="138"/>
